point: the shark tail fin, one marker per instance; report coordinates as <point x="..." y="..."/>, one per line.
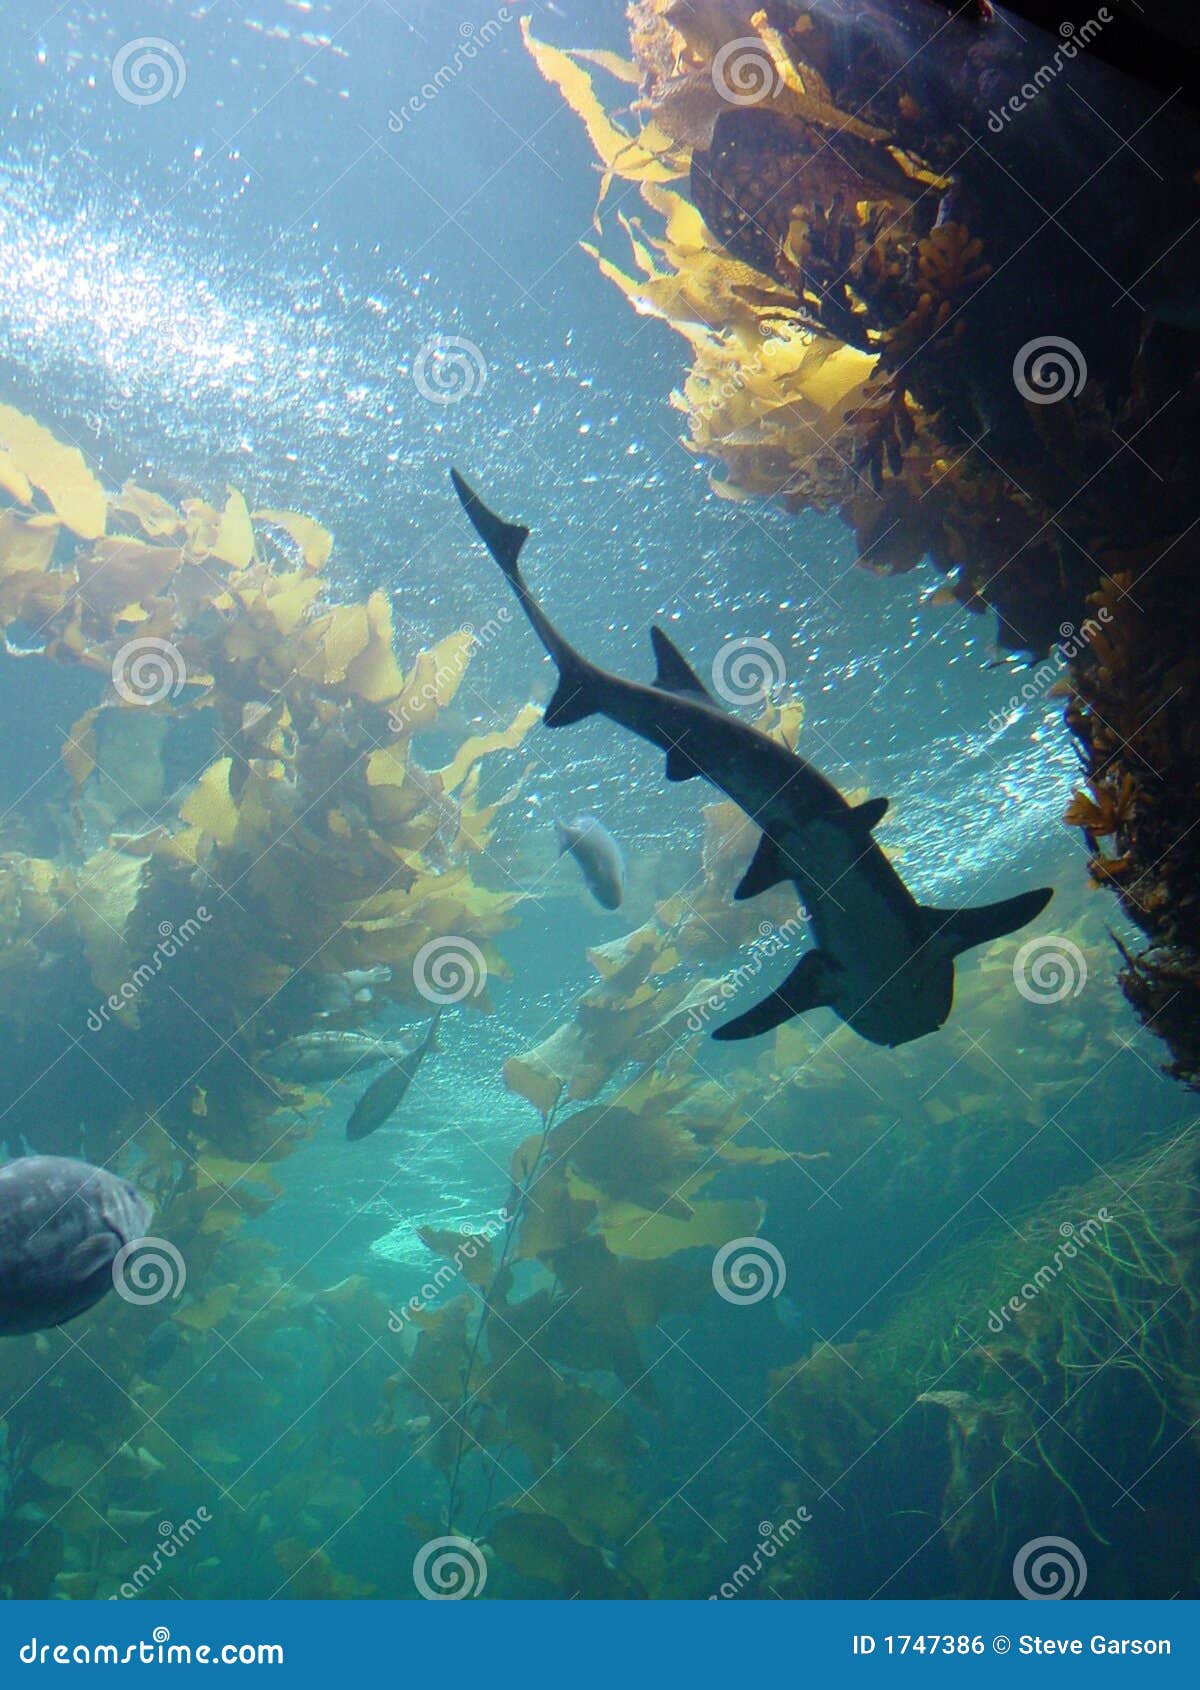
<point x="962" y="930"/>
<point x="503" y="539"/>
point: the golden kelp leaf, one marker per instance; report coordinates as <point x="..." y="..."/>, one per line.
<point x="106" y="893"/>
<point x="541" y="1547"/>
<point x="158" y="519"/>
<point x="58" y="471"/>
<point x="433" y="681"/>
<point x="79" y="747"/>
<point x="470" y="1252"/>
<point x="647" y="1237"/>
<point x="212" y="1308"/>
<point x="26" y="544"/>
<point x="315" y="542"/>
<point x="374" y="674"/>
<point x="14" y="481"/>
<point x="621" y="155"/>
<point x="482" y="745"/>
<point x="289" y="599"/>
<point x="233" y="542"/>
<point x="538" y="1075"/>
<point x="117" y="573"/>
<point x="66" y="1466"/>
<point x="623" y="69"/>
<point x="210" y="806"/>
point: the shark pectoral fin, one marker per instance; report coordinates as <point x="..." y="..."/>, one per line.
<point x="768" y="867"/>
<point x="673" y="672"/>
<point x="961" y="930"/>
<point x="870" y="813"/>
<point x="806" y="987"/>
<point x="680" y="765"/>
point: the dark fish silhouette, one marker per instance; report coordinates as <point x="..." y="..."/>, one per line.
<point x="882" y="962"/>
<point x="598" y="856"/>
<point x="62" y="1223"/>
<point x="384" y="1095"/>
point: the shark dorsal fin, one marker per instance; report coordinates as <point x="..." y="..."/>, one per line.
<point x="674" y="673"/>
<point x="768" y="867"/>
<point x="806" y="987"/>
<point x="870" y="813"/>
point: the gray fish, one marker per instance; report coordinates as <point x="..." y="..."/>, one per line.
<point x="882" y="962"/>
<point x="62" y="1223"/>
<point x="599" y="857"/>
<point x="332" y="1054"/>
<point x="384" y="1095"/>
<point x="337" y="993"/>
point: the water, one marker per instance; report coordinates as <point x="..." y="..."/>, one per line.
<point x="246" y="284"/>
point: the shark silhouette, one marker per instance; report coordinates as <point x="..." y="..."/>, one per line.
<point x="882" y="962"/>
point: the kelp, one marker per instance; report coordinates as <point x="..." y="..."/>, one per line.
<point x="177" y="936"/>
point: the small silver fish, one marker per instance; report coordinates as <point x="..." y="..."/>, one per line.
<point x="62" y="1223"/>
<point x="332" y="1055"/>
<point x="384" y="1095"/>
<point x="598" y="856"/>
